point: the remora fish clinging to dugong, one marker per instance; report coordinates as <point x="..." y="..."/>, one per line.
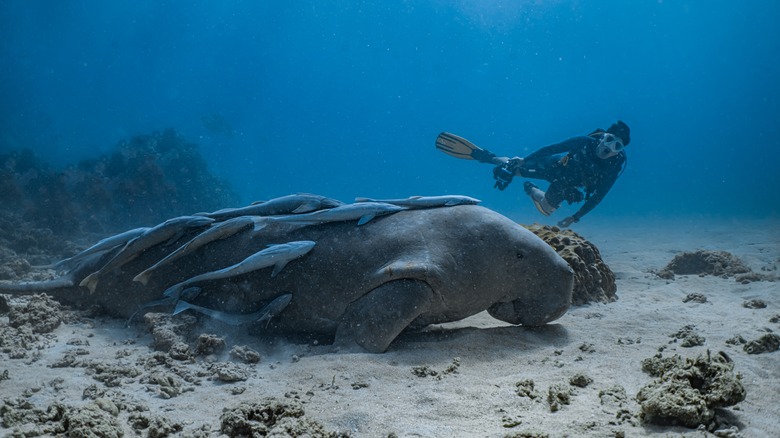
<point x="265" y="314"/>
<point x="361" y="211"/>
<point x="290" y="204"/>
<point x="216" y="232"/>
<point x="362" y="285"/>
<point x="426" y="201"/>
<point x="277" y="256"/>
<point x="168" y="230"/>
<point x="102" y="246"/>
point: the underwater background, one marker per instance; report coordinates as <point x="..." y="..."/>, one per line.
<point x="346" y="98"/>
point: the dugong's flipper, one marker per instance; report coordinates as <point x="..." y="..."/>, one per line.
<point x="373" y="324"/>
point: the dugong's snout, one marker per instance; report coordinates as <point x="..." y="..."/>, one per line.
<point x="541" y="303"/>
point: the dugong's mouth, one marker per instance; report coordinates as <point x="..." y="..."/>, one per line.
<point x="518" y="312"/>
<point x="541" y="307"/>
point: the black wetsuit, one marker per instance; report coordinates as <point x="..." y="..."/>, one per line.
<point x="573" y="165"/>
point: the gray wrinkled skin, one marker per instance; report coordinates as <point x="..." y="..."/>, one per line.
<point x="367" y="283"/>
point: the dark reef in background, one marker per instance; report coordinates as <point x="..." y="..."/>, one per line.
<point x="143" y="182"/>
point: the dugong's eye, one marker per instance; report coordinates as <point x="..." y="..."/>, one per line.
<point x="520" y="255"/>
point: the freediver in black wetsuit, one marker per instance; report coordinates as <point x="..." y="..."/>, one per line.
<point x="589" y="163"/>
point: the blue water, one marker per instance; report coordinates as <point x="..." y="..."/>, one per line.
<point x="345" y="98"/>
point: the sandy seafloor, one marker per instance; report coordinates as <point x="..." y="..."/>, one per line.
<point x="478" y="361"/>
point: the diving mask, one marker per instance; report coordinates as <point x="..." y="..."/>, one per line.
<point x="609" y="146"/>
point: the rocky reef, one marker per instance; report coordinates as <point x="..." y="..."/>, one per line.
<point x="594" y="281"/>
<point x="142" y="182"/>
<point x="718" y="263"/>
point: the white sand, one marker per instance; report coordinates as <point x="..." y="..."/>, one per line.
<point x="375" y="395"/>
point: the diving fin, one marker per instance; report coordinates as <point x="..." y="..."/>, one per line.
<point x="459" y="147"/>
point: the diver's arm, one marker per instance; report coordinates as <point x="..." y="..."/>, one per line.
<point x="595" y="198"/>
<point x="498" y="161"/>
<point x="485" y="156"/>
<point x="555" y="149"/>
<point x="565" y="146"/>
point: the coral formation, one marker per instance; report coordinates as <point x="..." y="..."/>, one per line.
<point x="145" y="180"/>
<point x="701" y="262"/>
<point x="594" y="281"/>
<point x="169" y="331"/>
<point x="271" y="417"/>
<point x="695" y="297"/>
<point x="754" y="304"/>
<point x="719" y="263"/>
<point x="687" y="392"/>
<point x="425" y="370"/>
<point x="229" y="372"/>
<point x="580" y="380"/>
<point x="688" y="336"/>
<point x="525" y="388"/>
<point x="614" y="402"/>
<point x="209" y="344"/>
<point x="558" y="395"/>
<point x="95" y="419"/>
<point x="245" y="354"/>
<point x="765" y="344"/>
<point x="41" y="313"/>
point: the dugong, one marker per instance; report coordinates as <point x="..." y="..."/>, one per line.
<point x="362" y="284"/>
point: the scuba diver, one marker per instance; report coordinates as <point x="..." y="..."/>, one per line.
<point x="591" y="163"/>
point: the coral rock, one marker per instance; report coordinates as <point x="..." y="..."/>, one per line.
<point x="720" y="263"/>
<point x="688" y="391"/>
<point x="594" y="281"/>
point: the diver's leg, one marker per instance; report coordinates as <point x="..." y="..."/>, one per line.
<point x="540" y="198"/>
<point x="374" y="320"/>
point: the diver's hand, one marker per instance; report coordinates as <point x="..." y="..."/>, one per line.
<point x="503" y="176"/>
<point x="504" y="173"/>
<point x="514" y="164"/>
<point x="565" y="222"/>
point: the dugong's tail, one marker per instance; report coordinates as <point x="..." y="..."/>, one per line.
<point x="60" y="284"/>
<point x="35" y="287"/>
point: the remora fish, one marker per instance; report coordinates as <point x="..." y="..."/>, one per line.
<point x="276" y="255"/>
<point x="427" y="201"/>
<point x="216" y="232"/>
<point x="265" y="314"/>
<point x="106" y="244"/>
<point x="290" y="204"/>
<point x="170" y="229"/>
<point x="362" y="211"/>
<point x="187" y="294"/>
